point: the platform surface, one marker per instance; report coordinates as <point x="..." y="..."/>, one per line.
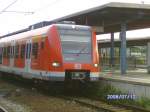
<point x="136" y="76"/>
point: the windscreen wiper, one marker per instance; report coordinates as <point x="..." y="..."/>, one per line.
<point x="81" y="50"/>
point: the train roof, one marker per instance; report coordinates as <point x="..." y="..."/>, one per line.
<point x="36" y="32"/>
<point x="67" y="26"/>
<point x="40" y="31"/>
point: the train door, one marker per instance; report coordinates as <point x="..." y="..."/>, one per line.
<point x="12" y="51"/>
<point x="28" y="56"/>
<point x="35" y="59"/>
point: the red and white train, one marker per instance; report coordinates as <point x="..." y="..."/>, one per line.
<point x="56" y="53"/>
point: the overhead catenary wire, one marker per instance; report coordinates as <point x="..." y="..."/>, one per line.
<point x="3" y="10"/>
<point x="26" y="12"/>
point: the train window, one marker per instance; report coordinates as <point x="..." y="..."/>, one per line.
<point x="16" y="51"/>
<point x="76" y="42"/>
<point x="3" y="51"/>
<point x="30" y="46"/>
<point x="8" y="52"/>
<point x="35" y="50"/>
<point x="22" y="50"/>
<point x="42" y="45"/>
<point x="27" y="50"/>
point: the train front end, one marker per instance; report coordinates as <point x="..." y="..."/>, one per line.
<point x="79" y="52"/>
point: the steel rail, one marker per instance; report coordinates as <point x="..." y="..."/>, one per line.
<point x="106" y="108"/>
<point x="2" y="109"/>
<point x="139" y="109"/>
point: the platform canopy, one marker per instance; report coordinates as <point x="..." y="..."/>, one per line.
<point x="114" y="17"/>
<point x="109" y="17"/>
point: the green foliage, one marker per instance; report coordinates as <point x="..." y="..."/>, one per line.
<point x="144" y="102"/>
<point x="99" y="91"/>
<point x="104" y="90"/>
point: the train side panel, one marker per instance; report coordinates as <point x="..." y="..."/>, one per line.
<point x="47" y="58"/>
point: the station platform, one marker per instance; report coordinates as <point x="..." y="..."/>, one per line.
<point x="135" y="81"/>
<point x="133" y="76"/>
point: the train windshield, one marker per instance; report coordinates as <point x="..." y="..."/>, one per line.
<point x="76" y="45"/>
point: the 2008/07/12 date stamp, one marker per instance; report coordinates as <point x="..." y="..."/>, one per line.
<point x="121" y="97"/>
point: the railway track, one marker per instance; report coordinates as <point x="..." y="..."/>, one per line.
<point x="91" y="103"/>
<point x="104" y="107"/>
<point x="135" y="108"/>
<point x="2" y="109"/>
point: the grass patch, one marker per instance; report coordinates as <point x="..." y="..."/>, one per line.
<point x="100" y="92"/>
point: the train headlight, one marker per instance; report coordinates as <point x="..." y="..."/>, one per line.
<point x="55" y="64"/>
<point x="95" y="65"/>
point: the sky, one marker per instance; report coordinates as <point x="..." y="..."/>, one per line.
<point x="19" y="14"/>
